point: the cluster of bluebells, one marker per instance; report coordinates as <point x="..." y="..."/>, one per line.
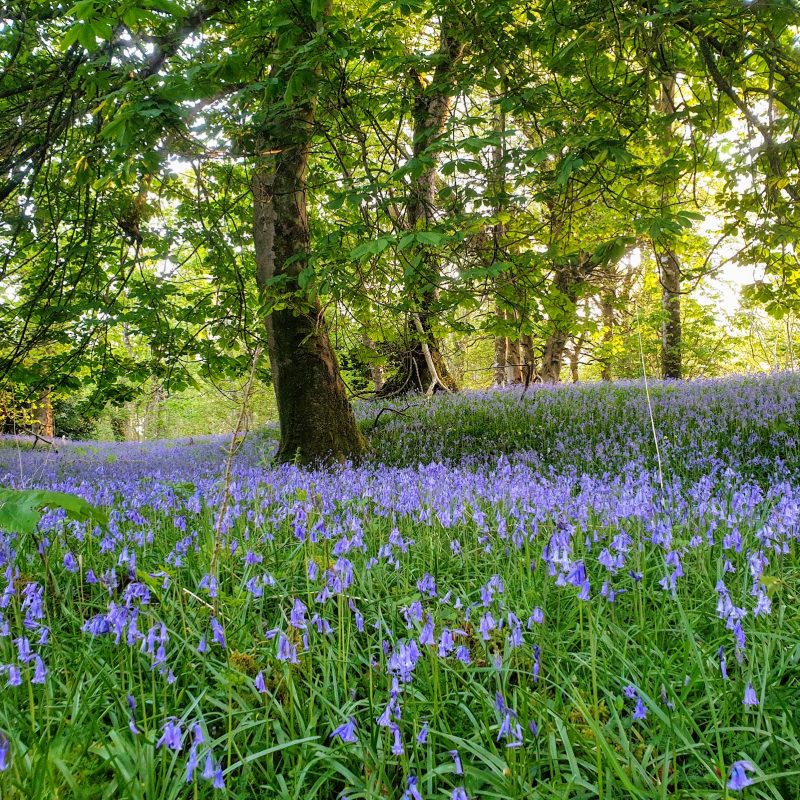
<point x="361" y="538"/>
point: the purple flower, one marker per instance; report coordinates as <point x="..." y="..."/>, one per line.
<point x="412" y="793"/>
<point x="397" y="745"/>
<point x="217" y="632"/>
<point x="70" y="564"/>
<point x="191" y="763"/>
<point x="172" y="735"/>
<point x="259" y="683"/>
<point x="5" y="752"/>
<point x="208" y="768"/>
<point x="723" y="667"/>
<point x="457" y="768"/>
<point x="297" y="618"/>
<point x="739" y="779"/>
<point x="346" y="732"/>
<point x="426" y="637"/>
<point x="750" y="696"/>
<point x="209" y="583"/>
<point x="459" y="793"/>
<point x="287" y="651"/>
<point x="422" y="736"/>
<point x="40" y="672"/>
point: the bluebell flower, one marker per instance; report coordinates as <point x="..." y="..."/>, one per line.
<point x="739" y="779"/>
<point x="14" y="675"/>
<point x="172" y="735"/>
<point x="217" y="632"/>
<point x="346" y="732"/>
<point x="397" y="744"/>
<point x="5" y="752"/>
<point x="297" y="618"/>
<point x="412" y="793"/>
<point x="750" y="696"/>
<point x="287" y="651"/>
<point x="191" y="763"/>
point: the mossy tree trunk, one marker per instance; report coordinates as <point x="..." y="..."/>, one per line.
<point x="316" y="419"/>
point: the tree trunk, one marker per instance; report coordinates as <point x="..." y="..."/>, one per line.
<point x="607" y="316"/>
<point x="566" y="284"/>
<point x="575" y="358"/>
<point x="553" y="356"/>
<point x="44" y="416"/>
<point x="530" y="374"/>
<point x="669" y="265"/>
<point x="316" y="418"/>
<point x="514" y="362"/>
<point x="500" y="354"/>
<point x="376" y="370"/>
<point x="432" y="103"/>
<point x="671" y="344"/>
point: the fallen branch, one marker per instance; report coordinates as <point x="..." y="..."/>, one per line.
<point x="38" y="438"/>
<point x="400" y="411"/>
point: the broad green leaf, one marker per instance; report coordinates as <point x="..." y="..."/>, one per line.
<point x="21" y="509"/>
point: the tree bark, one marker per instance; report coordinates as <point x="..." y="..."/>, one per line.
<point x="607" y="316"/>
<point x="44" y="416"/>
<point x="514" y="362"/>
<point x="669" y="265"/>
<point x="500" y="353"/>
<point x="566" y="284"/>
<point x="671" y="332"/>
<point x="432" y="103"/>
<point x="553" y="356"/>
<point x="376" y="370"/>
<point x="316" y="419"/>
<point x="530" y="374"/>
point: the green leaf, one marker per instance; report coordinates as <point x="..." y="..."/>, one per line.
<point x="371" y="248"/>
<point x="318" y="8"/>
<point x="432" y="238"/>
<point x="21" y="509"/>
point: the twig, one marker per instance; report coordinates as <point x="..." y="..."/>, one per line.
<point x="39" y="438"/>
<point x="400" y="411"/>
<point x="226" y="483"/>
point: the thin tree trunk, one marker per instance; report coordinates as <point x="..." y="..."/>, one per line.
<point x="500" y="354"/>
<point x="607" y="316"/>
<point x="671" y="333"/>
<point x="376" y="370"/>
<point x="669" y="265"/>
<point x="432" y="103"/>
<point x="316" y="418"/>
<point x="568" y="279"/>
<point x="530" y="373"/>
<point x="575" y="358"/>
<point x="44" y="415"/>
